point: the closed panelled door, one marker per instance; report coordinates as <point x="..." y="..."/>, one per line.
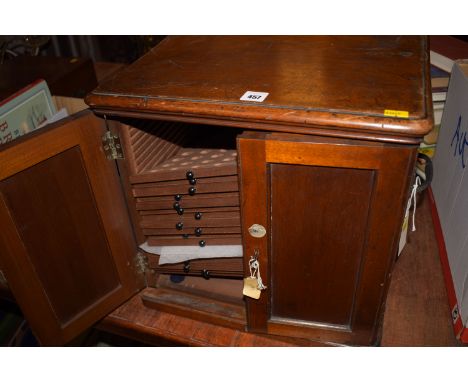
<point x="332" y="209"/>
<point x="318" y="238"/>
<point x="66" y="244"/>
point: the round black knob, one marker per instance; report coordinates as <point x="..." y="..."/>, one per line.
<point x="176" y="206"/>
<point x="180" y="211"/>
<point x="178" y="197"/>
<point x="179" y="225"/>
<point x="198" y="215"/>
<point x="185" y="235"/>
<point x="206" y="274"/>
<point x="193" y="181"/>
<point x="198" y="231"/>
<point x="187" y="266"/>
<point x="189" y="175"/>
<point x="202" y="243"/>
<point x="192" y="191"/>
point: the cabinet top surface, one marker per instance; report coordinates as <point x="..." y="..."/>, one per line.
<point x="310" y="80"/>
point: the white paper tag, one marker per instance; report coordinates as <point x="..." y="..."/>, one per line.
<point x="251" y="288"/>
<point x="254" y="96"/>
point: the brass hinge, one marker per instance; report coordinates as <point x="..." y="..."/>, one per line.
<point x="112" y="146"/>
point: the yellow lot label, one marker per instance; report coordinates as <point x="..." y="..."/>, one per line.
<point x="396" y="113"/>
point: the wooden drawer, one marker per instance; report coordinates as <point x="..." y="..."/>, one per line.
<point x="197" y="201"/>
<point x="217" y="267"/>
<point x="209" y="219"/>
<point x="221" y="239"/>
<point x="181" y="187"/>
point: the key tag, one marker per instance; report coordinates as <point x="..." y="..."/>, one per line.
<point x="404" y="229"/>
<point x="253" y="285"/>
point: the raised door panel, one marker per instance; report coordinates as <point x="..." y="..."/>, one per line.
<point x="333" y="210"/>
<point x="319" y="237"/>
<point x="66" y="245"/>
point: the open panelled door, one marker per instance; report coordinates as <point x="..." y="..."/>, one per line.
<point x="66" y="243"/>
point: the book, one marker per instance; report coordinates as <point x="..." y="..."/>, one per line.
<point x="25" y="111"/>
<point x="439" y="96"/>
<point x="439" y="81"/>
<point x="445" y="50"/>
<point x="439" y="78"/>
<point x="428" y="145"/>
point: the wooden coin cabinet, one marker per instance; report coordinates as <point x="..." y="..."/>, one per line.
<point x="296" y="152"/>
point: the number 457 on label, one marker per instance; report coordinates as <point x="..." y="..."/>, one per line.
<point x="254" y="96"/>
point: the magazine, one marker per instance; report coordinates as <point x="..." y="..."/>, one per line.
<point x="25" y="111"/>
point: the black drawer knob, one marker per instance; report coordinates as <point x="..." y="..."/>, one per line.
<point x="205" y="274"/>
<point x="198" y="231"/>
<point x="179" y="226"/>
<point x="189" y="175"/>
<point x="192" y="191"/>
<point x="202" y="243"/>
<point x="176" y="205"/>
<point x="178" y="197"/>
<point x="187" y="266"/>
<point x="180" y="211"/>
<point x="198" y="215"/>
<point x="185" y="235"/>
<point x="193" y="181"/>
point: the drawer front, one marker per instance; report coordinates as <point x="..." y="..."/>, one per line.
<point x="202" y="241"/>
<point x="207" y="268"/>
<point x="197" y="201"/>
<point x="189" y="220"/>
<point x="192" y="211"/>
<point x="186" y="189"/>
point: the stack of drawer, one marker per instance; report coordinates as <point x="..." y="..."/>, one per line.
<point x="186" y="191"/>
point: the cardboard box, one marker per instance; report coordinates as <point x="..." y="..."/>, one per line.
<point x="450" y="196"/>
<point x="73" y="105"/>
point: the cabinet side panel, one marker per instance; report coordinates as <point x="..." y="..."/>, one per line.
<point x="55" y="214"/>
<point x="319" y="234"/>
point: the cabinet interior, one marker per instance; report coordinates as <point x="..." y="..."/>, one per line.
<point x="158" y="157"/>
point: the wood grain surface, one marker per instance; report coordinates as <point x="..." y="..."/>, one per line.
<point x="45" y="193"/>
<point x="340" y="161"/>
<point x="341" y="81"/>
<point x="218" y="267"/>
<point x="417" y="311"/>
<point x="137" y="321"/>
<point x="66" y="242"/>
<point x="314" y="265"/>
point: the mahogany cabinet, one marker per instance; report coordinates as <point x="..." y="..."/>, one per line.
<point x="310" y="180"/>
